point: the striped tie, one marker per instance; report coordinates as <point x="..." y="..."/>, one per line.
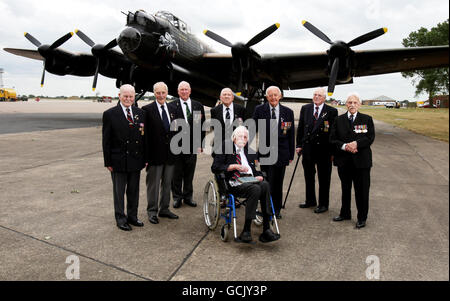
<point x="238" y="160"/>
<point x="129" y="118"/>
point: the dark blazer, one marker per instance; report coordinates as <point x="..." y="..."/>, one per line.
<point x="123" y="145"/>
<point x="341" y="133"/>
<point x="318" y="135"/>
<point x="177" y="114"/>
<point x="156" y="139"/>
<point x="217" y="113"/>
<point x="222" y="161"/>
<point x="286" y="138"/>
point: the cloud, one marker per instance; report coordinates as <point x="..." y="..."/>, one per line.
<point x="237" y="21"/>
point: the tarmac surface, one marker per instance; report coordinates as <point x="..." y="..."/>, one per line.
<point x="56" y="201"/>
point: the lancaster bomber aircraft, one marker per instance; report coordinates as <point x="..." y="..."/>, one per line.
<point x="160" y="47"/>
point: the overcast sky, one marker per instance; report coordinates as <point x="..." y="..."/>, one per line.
<point x="102" y="20"/>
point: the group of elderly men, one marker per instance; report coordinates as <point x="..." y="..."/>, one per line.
<point x="165" y="138"/>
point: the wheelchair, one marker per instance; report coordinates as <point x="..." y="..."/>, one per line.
<point x="218" y="203"/>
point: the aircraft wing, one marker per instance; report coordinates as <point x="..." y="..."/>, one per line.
<point x="32" y="54"/>
<point x="372" y="62"/>
<point x="307" y="70"/>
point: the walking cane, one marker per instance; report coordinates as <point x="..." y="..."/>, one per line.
<point x="292" y="178"/>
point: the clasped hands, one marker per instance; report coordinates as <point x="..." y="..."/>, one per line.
<point x="352" y="147"/>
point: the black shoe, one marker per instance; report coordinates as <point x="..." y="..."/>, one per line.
<point x="307" y="205"/>
<point x="136" y="223"/>
<point x="177" y="204"/>
<point x="153" y="219"/>
<point x="340" y="218"/>
<point x="190" y="203"/>
<point x="169" y="215"/>
<point x="320" y="209"/>
<point x="360" y="224"/>
<point x="124" y="227"/>
<point x="268" y="236"/>
<point x="245" y="237"/>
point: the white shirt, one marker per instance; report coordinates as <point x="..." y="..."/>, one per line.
<point x="231" y="110"/>
<point x="354" y="115"/>
<point x="124" y="109"/>
<point x="244" y="161"/>
<point x="183" y="106"/>
<point x="165" y="109"/>
<point x="348" y="117"/>
<point x="320" y="110"/>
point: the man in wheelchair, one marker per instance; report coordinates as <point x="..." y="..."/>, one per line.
<point x="238" y="166"/>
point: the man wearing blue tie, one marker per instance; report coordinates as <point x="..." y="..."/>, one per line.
<point x="160" y="160"/>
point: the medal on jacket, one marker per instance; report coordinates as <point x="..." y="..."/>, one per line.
<point x="326" y="124"/>
<point x="141" y="128"/>
<point x="286" y="126"/>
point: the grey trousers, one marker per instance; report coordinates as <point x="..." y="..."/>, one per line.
<point x="125" y="182"/>
<point x="158" y="176"/>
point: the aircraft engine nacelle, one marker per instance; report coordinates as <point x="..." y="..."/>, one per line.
<point x="339" y="50"/>
<point x="65" y="63"/>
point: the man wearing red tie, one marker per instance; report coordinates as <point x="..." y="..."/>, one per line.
<point x="123" y="153"/>
<point x="313" y="135"/>
<point x="241" y="163"/>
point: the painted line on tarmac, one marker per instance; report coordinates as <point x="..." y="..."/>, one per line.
<point x="188" y="256"/>
<point x="77" y="253"/>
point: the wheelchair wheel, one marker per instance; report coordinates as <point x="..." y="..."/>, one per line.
<point x="224" y="232"/>
<point x="211" y="204"/>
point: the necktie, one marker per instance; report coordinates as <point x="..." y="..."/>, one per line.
<point x="188" y="112"/>
<point x="351" y="120"/>
<point x="316" y="115"/>
<point x="165" y="119"/>
<point x="227" y="117"/>
<point x="274" y="116"/>
<point x="238" y="160"/>
<point x="129" y="118"/>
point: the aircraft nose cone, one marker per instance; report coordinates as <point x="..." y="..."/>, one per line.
<point x="129" y="39"/>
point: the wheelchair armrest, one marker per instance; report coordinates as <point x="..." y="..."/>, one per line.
<point x="221" y="183"/>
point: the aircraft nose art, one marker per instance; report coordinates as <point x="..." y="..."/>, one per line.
<point x="129" y="39"/>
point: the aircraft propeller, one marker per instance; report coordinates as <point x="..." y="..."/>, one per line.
<point x="45" y="50"/>
<point x="242" y="52"/>
<point x="97" y="50"/>
<point x="340" y="50"/>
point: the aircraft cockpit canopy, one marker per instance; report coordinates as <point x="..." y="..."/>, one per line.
<point x="141" y="17"/>
<point x="180" y="24"/>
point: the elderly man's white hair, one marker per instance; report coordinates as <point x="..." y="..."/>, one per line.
<point x="322" y="91"/>
<point x="273" y="87"/>
<point x="353" y="95"/>
<point x="184" y="83"/>
<point x="126" y="87"/>
<point x="239" y="130"/>
<point x="160" y="84"/>
<point x="226" y="89"/>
